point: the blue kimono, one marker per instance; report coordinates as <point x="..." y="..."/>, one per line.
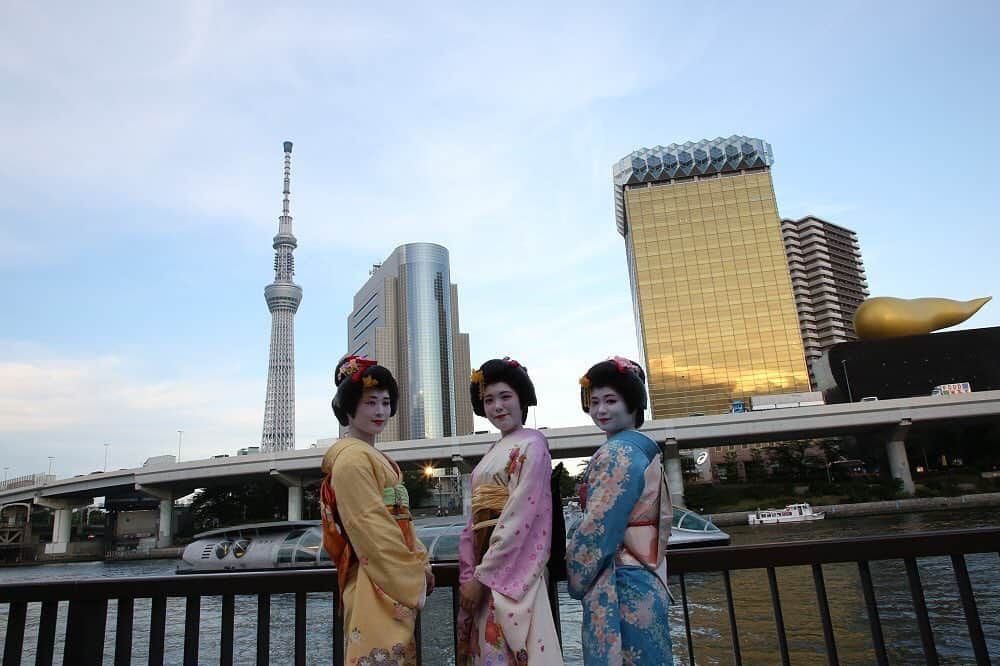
<point x="616" y="559"/>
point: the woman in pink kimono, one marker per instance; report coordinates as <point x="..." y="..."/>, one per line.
<point x="505" y="616"/>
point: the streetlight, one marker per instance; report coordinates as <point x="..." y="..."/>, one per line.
<point x="106" y="445"/>
<point x="5" y="475"/>
<point x="51" y="458"/>
<point x="180" y="436"/>
<point x="843" y="365"/>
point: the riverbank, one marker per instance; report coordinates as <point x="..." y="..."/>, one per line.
<point x="40" y="557"/>
<point x="911" y="505"/>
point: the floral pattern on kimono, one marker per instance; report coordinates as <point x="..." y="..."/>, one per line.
<point x="385" y="585"/>
<point x="514" y="625"/>
<point x="625" y="605"/>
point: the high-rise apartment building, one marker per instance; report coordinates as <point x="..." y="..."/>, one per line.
<point x="828" y="280"/>
<point x="406" y="317"/>
<point x="712" y="296"/>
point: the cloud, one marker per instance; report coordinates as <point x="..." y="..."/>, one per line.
<point x="69" y="407"/>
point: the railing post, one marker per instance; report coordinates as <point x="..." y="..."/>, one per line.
<point x="85" y="624"/>
<point x="971" y="612"/>
<point x="14" y="642"/>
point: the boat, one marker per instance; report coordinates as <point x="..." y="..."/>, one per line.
<point x="793" y="513"/>
<point x="299" y="544"/>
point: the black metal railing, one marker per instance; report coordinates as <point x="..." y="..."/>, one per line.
<point x="87" y="615"/>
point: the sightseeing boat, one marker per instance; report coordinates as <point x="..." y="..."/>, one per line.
<point x="299" y="544"/>
<point x="793" y="513"/>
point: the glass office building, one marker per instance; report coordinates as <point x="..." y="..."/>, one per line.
<point x="712" y="296"/>
<point x="406" y="317"/>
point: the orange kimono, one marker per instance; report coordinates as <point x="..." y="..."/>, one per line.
<point x="385" y="584"/>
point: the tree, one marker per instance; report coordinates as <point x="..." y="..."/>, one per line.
<point x="755" y="468"/>
<point x="731" y="466"/>
<point x="793" y="460"/>
<point x="418" y="486"/>
<point x="567" y="484"/>
<point x="248" y="502"/>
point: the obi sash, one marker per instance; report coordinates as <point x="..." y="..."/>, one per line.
<point x="488" y="500"/>
<point x="641" y="542"/>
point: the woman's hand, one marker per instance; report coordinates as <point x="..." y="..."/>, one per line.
<point x="470" y="595"/>
<point x="429" y="580"/>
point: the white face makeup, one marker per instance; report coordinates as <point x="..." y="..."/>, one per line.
<point x="502" y="407"/>
<point x="371" y="415"/>
<point x="609" y="411"/>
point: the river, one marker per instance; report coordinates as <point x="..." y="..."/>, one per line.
<point x="709" y="620"/>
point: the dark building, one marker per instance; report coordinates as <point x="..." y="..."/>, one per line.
<point x="909" y="366"/>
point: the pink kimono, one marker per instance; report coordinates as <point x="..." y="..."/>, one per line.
<point x="512" y="499"/>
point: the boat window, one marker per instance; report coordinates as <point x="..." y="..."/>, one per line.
<point x="240" y="548"/>
<point x="222" y="549"/>
<point x="287" y="550"/>
<point x="692" y="521"/>
<point x="285" y="554"/>
<point x="446" y="547"/>
<point x="309" y="547"/>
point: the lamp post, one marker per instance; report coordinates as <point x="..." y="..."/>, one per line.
<point x="180" y="436"/>
<point x="51" y="458"/>
<point x="847" y="381"/>
<point x="5" y="475"/>
<point x="106" y="445"/>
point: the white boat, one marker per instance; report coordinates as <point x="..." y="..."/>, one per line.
<point x="793" y="513"/>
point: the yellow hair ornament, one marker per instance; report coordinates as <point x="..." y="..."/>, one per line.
<point x="369" y="382"/>
<point x="585" y="391"/>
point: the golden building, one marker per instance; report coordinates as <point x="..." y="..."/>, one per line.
<point x="715" y="314"/>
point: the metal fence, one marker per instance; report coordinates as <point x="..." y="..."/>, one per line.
<point x="87" y="602"/>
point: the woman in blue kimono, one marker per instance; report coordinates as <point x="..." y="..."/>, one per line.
<point x="616" y="559"/>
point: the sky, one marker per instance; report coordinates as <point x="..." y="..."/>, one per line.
<point x="141" y="184"/>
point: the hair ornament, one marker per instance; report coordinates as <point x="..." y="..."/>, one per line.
<point x="354" y="366"/>
<point x="514" y="364"/>
<point x="369" y="382"/>
<point x="625" y="365"/>
<point x="479" y="378"/>
<point x="585" y="385"/>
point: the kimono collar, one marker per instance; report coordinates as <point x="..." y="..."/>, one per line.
<point x="642" y="442"/>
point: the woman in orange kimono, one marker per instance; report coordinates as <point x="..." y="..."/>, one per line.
<point x="387" y="574"/>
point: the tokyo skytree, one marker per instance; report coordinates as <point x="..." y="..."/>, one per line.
<point x="283" y="297"/>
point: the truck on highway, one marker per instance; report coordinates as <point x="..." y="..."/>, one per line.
<point x="786" y="400"/>
<point x="951" y="389"/>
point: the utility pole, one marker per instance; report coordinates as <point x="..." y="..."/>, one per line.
<point x="106" y="445"/>
<point x="843" y="365"/>
<point x="180" y="436"/>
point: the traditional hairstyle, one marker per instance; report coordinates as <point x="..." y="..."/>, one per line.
<point x="622" y="375"/>
<point x="354" y="374"/>
<point x="505" y="370"/>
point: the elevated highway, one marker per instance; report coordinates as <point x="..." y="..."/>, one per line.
<point x="894" y="419"/>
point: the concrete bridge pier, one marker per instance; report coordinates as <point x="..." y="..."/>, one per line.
<point x="294" y="485"/>
<point x="672" y="469"/>
<point x="899" y="464"/>
<point x="62" y="524"/>
<point x="165" y="533"/>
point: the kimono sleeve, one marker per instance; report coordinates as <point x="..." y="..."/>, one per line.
<point x="519" y="546"/>
<point x="373" y="533"/>
<point x="615" y="479"/>
<point x="466" y="554"/>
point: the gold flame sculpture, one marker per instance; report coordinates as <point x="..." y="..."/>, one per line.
<point x="886" y="317"/>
